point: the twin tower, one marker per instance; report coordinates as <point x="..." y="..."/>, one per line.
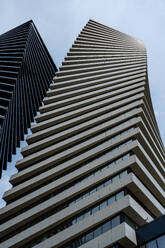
<point x="93" y="172"/>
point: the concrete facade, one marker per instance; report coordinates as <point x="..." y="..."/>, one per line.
<point x="93" y="171"/>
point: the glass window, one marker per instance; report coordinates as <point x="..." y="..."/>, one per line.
<point x="80" y="218"/>
<point x="124" y="173"/>
<point x="77" y="243"/>
<point x="83" y="239"/>
<point x="88" y="236"/>
<point x="97" y="231"/>
<point x="44" y="238"/>
<point x="111" y="200"/>
<point x="100" y="187"/>
<point x="52" y="232"/>
<point x="87" y="194"/>
<point x="103" y="205"/>
<point x="59" y="228"/>
<point x="87" y="214"/>
<point x="90" y="176"/>
<point x="126" y="156"/>
<point x="80" y="241"/>
<point x="78" y="199"/>
<point x="119" y="195"/>
<point x="94" y="210"/>
<point x="115" y="221"/>
<point x="115" y="178"/>
<point x="113" y="163"/>
<point x="74" y="221"/>
<point x="107" y="226"/>
<point x="152" y="244"/>
<point x="125" y="191"/>
<point x="119" y="160"/>
<point x="83" y="216"/>
<point x="161" y="242"/>
<point x="107" y="183"/>
<point x="97" y="172"/>
<point x="74" y="245"/>
<point x="93" y="191"/>
<point x="127" y="220"/>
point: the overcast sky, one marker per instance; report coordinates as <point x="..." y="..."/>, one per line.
<point x="60" y="21"/>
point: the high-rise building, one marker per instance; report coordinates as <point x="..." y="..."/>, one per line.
<point x="26" y="71"/>
<point x="152" y="235"/>
<point x="93" y="171"/>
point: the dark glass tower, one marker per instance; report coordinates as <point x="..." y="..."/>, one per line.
<point x="26" y="70"/>
<point x="152" y="235"/>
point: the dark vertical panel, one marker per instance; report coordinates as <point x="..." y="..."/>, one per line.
<point x="26" y="70"/>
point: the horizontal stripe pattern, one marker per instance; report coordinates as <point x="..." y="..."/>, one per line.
<point x="95" y="136"/>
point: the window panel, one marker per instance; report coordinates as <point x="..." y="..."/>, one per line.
<point x="127" y="220"/>
<point x="97" y="172"/>
<point x="115" y="178"/>
<point x="111" y="200"/>
<point x="161" y="242"/>
<point x="83" y="239"/>
<point x="94" y="210"/>
<point x="107" y="226"/>
<point x="89" y="236"/>
<point x="87" y="214"/>
<point x="107" y="182"/>
<point x="74" y="221"/>
<point x="80" y="218"/>
<point x="97" y="231"/>
<point x="103" y="205"/>
<point x="93" y="191"/>
<point x="152" y="244"/>
<point x="120" y="195"/>
<point x="115" y="221"/>
<point x="100" y="187"/>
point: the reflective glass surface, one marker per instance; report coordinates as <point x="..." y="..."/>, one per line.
<point x="156" y="243"/>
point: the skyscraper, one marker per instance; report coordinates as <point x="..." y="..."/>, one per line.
<point x="93" y="170"/>
<point x="152" y="235"/>
<point x="26" y="70"/>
